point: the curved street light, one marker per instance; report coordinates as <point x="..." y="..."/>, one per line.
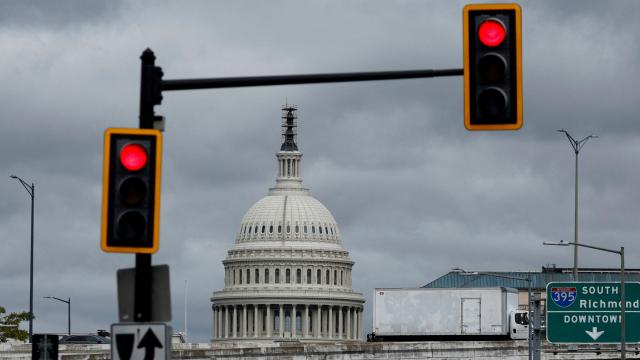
<point x="576" y="145"/>
<point x="623" y="341"/>
<point x="68" y="302"/>
<point x="31" y="189"/>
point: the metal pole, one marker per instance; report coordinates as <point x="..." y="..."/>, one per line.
<point x="69" y="317"/>
<point x="142" y="294"/>
<point x="576" y="145"/>
<point x="31" y="190"/>
<point x="575" y="248"/>
<point x="33" y="195"/>
<point x="529" y="319"/>
<point x="623" y="340"/>
<point x="185" y="311"/>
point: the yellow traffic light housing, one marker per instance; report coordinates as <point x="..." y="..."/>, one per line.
<point x="492" y="66"/>
<point x="131" y="190"/>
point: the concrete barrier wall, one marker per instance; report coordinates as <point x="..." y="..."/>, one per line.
<point x="451" y="350"/>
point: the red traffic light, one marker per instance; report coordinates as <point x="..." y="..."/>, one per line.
<point x="131" y="191"/>
<point x="491" y="33"/>
<point x="133" y="157"/>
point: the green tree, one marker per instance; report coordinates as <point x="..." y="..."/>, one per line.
<point x="9" y="325"/>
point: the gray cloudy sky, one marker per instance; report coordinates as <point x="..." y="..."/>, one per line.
<point x="413" y="192"/>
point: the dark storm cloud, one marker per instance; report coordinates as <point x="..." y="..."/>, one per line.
<point x="414" y="194"/>
<point x="43" y="14"/>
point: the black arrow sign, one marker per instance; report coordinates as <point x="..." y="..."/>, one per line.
<point x="149" y="342"/>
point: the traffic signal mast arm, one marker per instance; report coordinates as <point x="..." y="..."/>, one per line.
<point x="214" y="83"/>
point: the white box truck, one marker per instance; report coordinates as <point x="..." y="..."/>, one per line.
<point x="406" y="314"/>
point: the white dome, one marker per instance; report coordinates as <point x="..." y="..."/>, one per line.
<point x="279" y="217"/>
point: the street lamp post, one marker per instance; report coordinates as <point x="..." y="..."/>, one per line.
<point x="576" y="145"/>
<point x="68" y="302"/>
<point x="31" y="189"/>
<point x="623" y="342"/>
<point x="528" y="280"/>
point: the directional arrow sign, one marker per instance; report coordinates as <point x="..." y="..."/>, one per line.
<point x="589" y="312"/>
<point x="594" y="333"/>
<point x="149" y="343"/>
<point x="140" y="341"/>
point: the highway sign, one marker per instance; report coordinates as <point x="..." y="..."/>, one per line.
<point x="589" y="312"/>
<point x="133" y="341"/>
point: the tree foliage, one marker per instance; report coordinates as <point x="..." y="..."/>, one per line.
<point x="9" y="325"/>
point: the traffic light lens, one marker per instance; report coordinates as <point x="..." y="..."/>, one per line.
<point x="492" y="68"/>
<point x="133" y="191"/>
<point x="492" y="102"/>
<point x="491" y="33"/>
<point x="133" y="157"/>
<point x="131" y="226"/>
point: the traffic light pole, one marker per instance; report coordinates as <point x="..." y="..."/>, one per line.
<point x="142" y="281"/>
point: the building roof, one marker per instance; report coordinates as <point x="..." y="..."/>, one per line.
<point x="539" y="279"/>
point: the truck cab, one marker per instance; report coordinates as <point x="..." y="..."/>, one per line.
<point x="519" y="324"/>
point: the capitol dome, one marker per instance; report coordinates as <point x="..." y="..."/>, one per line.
<point x="287" y="275"/>
<point x="288" y="218"/>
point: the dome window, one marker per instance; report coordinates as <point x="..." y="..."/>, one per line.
<point x="266" y="276"/>
<point x="318" y="277"/>
<point x="288" y="276"/>
<point x="308" y="276"/>
<point x="335" y="277"/>
<point x="327" y="277"/>
<point x="277" y="276"/>
<point x="255" y="231"/>
<point x="313" y="229"/>
<point x="279" y="229"/>
<point x="263" y="228"/>
<point x="297" y="229"/>
<point x="288" y="229"/>
<point x="298" y="276"/>
<point x="331" y="228"/>
<point x="326" y="231"/>
<point x="240" y="277"/>
<point x="256" y="278"/>
<point x="271" y="229"/>
<point x="305" y="229"/>
<point x="320" y="229"/>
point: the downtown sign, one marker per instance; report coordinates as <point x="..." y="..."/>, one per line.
<point x="590" y="312"/>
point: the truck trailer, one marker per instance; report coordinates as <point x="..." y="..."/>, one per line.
<point x="447" y="313"/>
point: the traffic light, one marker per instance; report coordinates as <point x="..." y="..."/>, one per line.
<point x="131" y="190"/>
<point x="492" y="66"/>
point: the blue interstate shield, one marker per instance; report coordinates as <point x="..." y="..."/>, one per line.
<point x="563" y="296"/>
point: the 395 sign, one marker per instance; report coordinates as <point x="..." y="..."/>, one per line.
<point x="563" y="296"/>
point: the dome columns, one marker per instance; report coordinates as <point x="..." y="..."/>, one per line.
<point x="287" y="321"/>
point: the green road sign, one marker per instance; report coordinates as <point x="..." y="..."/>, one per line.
<point x="589" y="312"/>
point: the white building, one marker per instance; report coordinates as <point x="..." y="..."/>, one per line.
<point x="288" y="276"/>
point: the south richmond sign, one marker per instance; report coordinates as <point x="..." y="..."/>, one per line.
<point x="590" y="312"/>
